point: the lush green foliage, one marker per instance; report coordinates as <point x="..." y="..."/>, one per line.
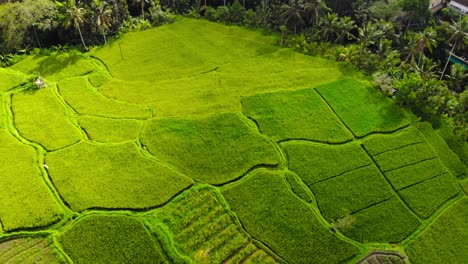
<point x="448" y="158"/>
<point x="445" y="240"/>
<point x="377" y="114"/>
<point x="388" y="221"/>
<point x="343" y="195"/>
<point x="20" y="175"/>
<point x="215" y="149"/>
<point x="80" y="96"/>
<point x="110" y="239"/>
<point x="109" y="129"/>
<point x="271" y="212"/>
<point x="30" y="250"/>
<point x="295" y="115"/>
<point x="317" y="162"/>
<point x="41" y="118"/>
<point x="91" y="175"/>
<point x="426" y="197"/>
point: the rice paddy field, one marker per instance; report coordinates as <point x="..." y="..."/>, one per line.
<point x="197" y="142"/>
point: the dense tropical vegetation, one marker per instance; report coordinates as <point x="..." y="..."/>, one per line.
<point x="404" y="47"/>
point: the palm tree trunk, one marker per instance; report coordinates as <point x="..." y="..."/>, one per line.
<point x="446" y="64"/>
<point x="143" y="8"/>
<point x="224" y="2"/>
<point x="37" y="38"/>
<point x="104" y="36"/>
<point x="81" y="36"/>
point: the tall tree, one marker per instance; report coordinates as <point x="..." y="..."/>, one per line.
<point x="427" y="40"/>
<point x="315" y="9"/>
<point x="292" y="14"/>
<point x="142" y="4"/>
<point x="75" y="16"/>
<point x="103" y="17"/>
<point x="459" y="37"/>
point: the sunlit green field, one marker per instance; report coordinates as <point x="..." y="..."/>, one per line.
<point x="197" y="142"/>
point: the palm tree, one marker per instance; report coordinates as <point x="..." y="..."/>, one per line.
<point x="459" y="37"/>
<point x="427" y="40"/>
<point x="328" y="26"/>
<point x="103" y="16"/>
<point x="344" y="26"/>
<point x="142" y="3"/>
<point x="292" y="14"/>
<point x="315" y="9"/>
<point x="75" y="16"/>
<point x="369" y="34"/>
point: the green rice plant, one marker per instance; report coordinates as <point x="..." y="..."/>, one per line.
<point x="86" y="101"/>
<point x="181" y="49"/>
<point x="110" y="129"/>
<point x="378" y="144"/>
<point x="215" y="150"/>
<point x="41" y="118"/>
<point x="55" y="67"/>
<point x="444" y="241"/>
<point x="377" y="114"/>
<point x="91" y="175"/>
<point x="405" y="156"/>
<point x="405" y="176"/>
<point x="295" y="115"/>
<point x="110" y="239"/>
<point x="426" y="197"/>
<point x="350" y="192"/>
<point x="317" y="162"/>
<point x="25" y="200"/>
<point x="30" y="250"/>
<point x="10" y="79"/>
<point x="282" y="69"/>
<point x="446" y="155"/>
<point x="273" y="214"/>
<point x="464" y="185"/>
<point x="299" y="188"/>
<point x="386" y="222"/>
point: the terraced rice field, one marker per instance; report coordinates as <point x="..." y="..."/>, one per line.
<point x="197" y="142"/>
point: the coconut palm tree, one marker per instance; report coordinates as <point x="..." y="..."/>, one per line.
<point x="344" y="26"/>
<point x="315" y="9"/>
<point x="103" y="16"/>
<point x="459" y="37"/>
<point x="142" y="3"/>
<point x="75" y="16"/>
<point x="292" y="13"/>
<point x="427" y="40"/>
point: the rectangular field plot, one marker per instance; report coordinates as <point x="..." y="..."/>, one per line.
<point x="425" y="197"/>
<point x="405" y="156"/>
<point x="445" y="240"/>
<point x="388" y="221"/>
<point x="446" y="155"/>
<point x="418" y="172"/>
<point x="10" y="79"/>
<point x="377" y="114"/>
<point x="350" y="192"/>
<point x="377" y="144"/>
<point x="318" y="162"/>
<point x="30" y="250"/>
<point x="295" y="115"/>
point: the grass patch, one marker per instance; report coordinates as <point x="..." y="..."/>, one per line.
<point x="378" y="144"/>
<point x="299" y="188"/>
<point x="30" y="250"/>
<point x="40" y="117"/>
<point x="273" y="214"/>
<point x="446" y="155"/>
<point x="112" y="176"/>
<point x="295" y="115"/>
<point x="55" y="67"/>
<point x="110" y="130"/>
<point x="215" y="149"/>
<point x="425" y="197"/>
<point x="79" y="95"/>
<point x="387" y="222"/>
<point x="25" y="200"/>
<point x="350" y="192"/>
<point x="444" y="241"/>
<point x="110" y="239"/>
<point x="405" y="176"/>
<point x="315" y="162"/>
<point x="464" y="185"/>
<point x="10" y="79"/>
<point x="377" y="114"/>
<point x="405" y="156"/>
